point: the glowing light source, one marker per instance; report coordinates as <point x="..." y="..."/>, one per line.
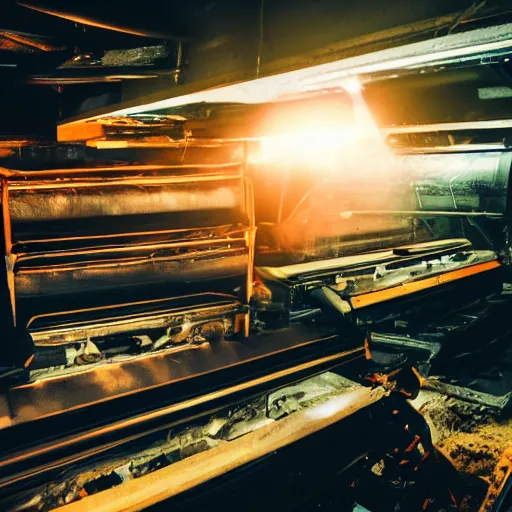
<point x="317" y="129"/>
<point x="352" y="85"/>
<point x="321" y="147"/>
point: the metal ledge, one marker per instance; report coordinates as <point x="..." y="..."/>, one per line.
<point x="221" y="362"/>
<point x="148" y="490"/>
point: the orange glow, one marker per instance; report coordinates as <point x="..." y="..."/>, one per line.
<point x="322" y="147"/>
<point x="314" y="130"/>
<point x="367" y="299"/>
<point x="335" y="161"/>
<point x="352" y="85"/>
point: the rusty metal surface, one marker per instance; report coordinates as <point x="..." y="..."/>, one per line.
<point x="27" y="461"/>
<point x="130" y="272"/>
<point x="177" y="478"/>
<point x="123" y="228"/>
<point x="76" y="326"/>
<point x="60" y="202"/>
<point x="103" y="382"/>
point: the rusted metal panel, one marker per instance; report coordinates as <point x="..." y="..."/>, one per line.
<point x="177" y="478"/>
<point x="130" y="232"/>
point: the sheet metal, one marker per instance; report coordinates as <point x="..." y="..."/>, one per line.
<point x="153" y="488"/>
<point x="103" y="382"/>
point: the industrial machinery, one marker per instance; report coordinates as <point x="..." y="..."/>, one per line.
<point x="206" y="290"/>
<point x="133" y="309"/>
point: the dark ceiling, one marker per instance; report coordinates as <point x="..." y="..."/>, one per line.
<point x="84" y="55"/>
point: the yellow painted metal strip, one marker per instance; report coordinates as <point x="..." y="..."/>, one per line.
<point x="368" y="299"/>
